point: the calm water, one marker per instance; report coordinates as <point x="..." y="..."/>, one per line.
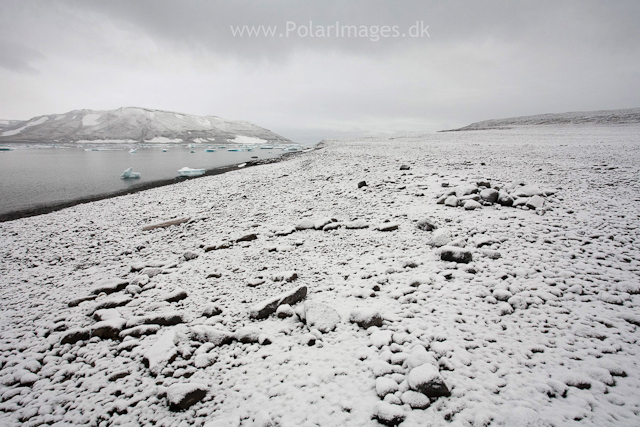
<point x="32" y="176"/>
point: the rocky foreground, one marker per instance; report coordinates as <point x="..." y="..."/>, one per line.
<point x="477" y="278"/>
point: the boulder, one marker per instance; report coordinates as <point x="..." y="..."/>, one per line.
<point x="388" y="226"/>
<point x="163" y="319"/>
<point x="440" y="237"/>
<point x="177" y="295"/>
<point x="427" y="380"/>
<point x="183" y="396"/>
<point x="415" y="399"/>
<point x="504" y="199"/>
<point x="357" y="224"/>
<point x="77" y="301"/>
<point x="189" y="255"/>
<point x="161" y="353"/>
<point x="384" y="386"/>
<point x="247" y="237"/>
<point x="388" y="414"/>
<point x="72" y="336"/>
<point x="535" y="202"/>
<point x="471" y="205"/>
<point x="455" y="254"/>
<point x="264" y="309"/>
<point x="426" y="224"/>
<point x="306" y="224"/>
<point x="527" y="191"/>
<point x="211" y="309"/>
<point x="320" y="316"/>
<point x="366" y="317"/>
<point x="110" y="286"/>
<point x="108" y="329"/>
<point x="206" y="333"/>
<point x="489" y="195"/>
<point x="464" y="190"/>
<point x="451" y="201"/>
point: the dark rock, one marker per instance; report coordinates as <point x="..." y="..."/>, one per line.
<point x="189" y="255"/>
<point x="362" y="184"/>
<point x="404" y="168"/>
<point x="366" y="318"/>
<point x="427" y="380"/>
<point x="455" y="254"/>
<point x="426" y="224"/>
<point x="163" y="319"/>
<point x="74" y="335"/>
<point x="247" y="238"/>
<point x="505" y="199"/>
<point x="177" y="295"/>
<point x="489" y="195"/>
<point x="267" y="307"/>
<point x="183" y="396"/>
<point x="217" y="246"/>
<point x="108" y="329"/>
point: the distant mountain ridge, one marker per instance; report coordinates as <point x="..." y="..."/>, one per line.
<point x="133" y="124"/>
<point x="601" y="117"/>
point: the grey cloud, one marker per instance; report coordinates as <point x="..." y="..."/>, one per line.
<point x="19" y="58"/>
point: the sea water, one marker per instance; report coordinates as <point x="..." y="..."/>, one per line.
<point x="32" y="176"/>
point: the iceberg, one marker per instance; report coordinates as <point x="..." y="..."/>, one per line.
<point x="185" y="171"/>
<point x="130" y="174"/>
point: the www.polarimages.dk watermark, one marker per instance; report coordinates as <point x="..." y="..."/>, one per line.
<point x="337" y="30"/>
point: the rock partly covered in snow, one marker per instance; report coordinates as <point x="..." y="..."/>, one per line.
<point x="183" y="396"/>
<point x="267" y="307"/>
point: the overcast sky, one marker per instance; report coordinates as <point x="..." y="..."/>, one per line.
<point x="473" y="60"/>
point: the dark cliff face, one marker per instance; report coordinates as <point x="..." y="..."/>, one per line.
<point x="133" y="124"/>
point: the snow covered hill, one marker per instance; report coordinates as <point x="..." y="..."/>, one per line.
<point x="601" y="117"/>
<point x="6" y="123"/>
<point x="132" y="124"/>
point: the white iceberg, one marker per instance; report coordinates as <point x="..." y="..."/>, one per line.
<point x="185" y="171"/>
<point x="130" y="174"/>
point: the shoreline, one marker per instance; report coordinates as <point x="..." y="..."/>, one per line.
<point x="53" y="207"/>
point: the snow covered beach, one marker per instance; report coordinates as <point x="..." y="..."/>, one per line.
<point x="106" y="324"/>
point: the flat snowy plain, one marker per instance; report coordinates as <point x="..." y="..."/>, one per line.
<point x="540" y="328"/>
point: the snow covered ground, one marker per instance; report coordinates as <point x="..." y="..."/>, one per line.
<point x="104" y="323"/>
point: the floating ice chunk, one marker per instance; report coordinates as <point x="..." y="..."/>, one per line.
<point x="130" y="174"/>
<point x="185" y="171"/>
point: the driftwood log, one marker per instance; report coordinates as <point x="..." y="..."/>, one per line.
<point x="165" y="224"/>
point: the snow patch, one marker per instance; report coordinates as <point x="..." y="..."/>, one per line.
<point x="91" y="119"/>
<point x="241" y="139"/>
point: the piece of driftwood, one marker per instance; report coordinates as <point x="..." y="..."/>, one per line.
<point x="165" y="224"/>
